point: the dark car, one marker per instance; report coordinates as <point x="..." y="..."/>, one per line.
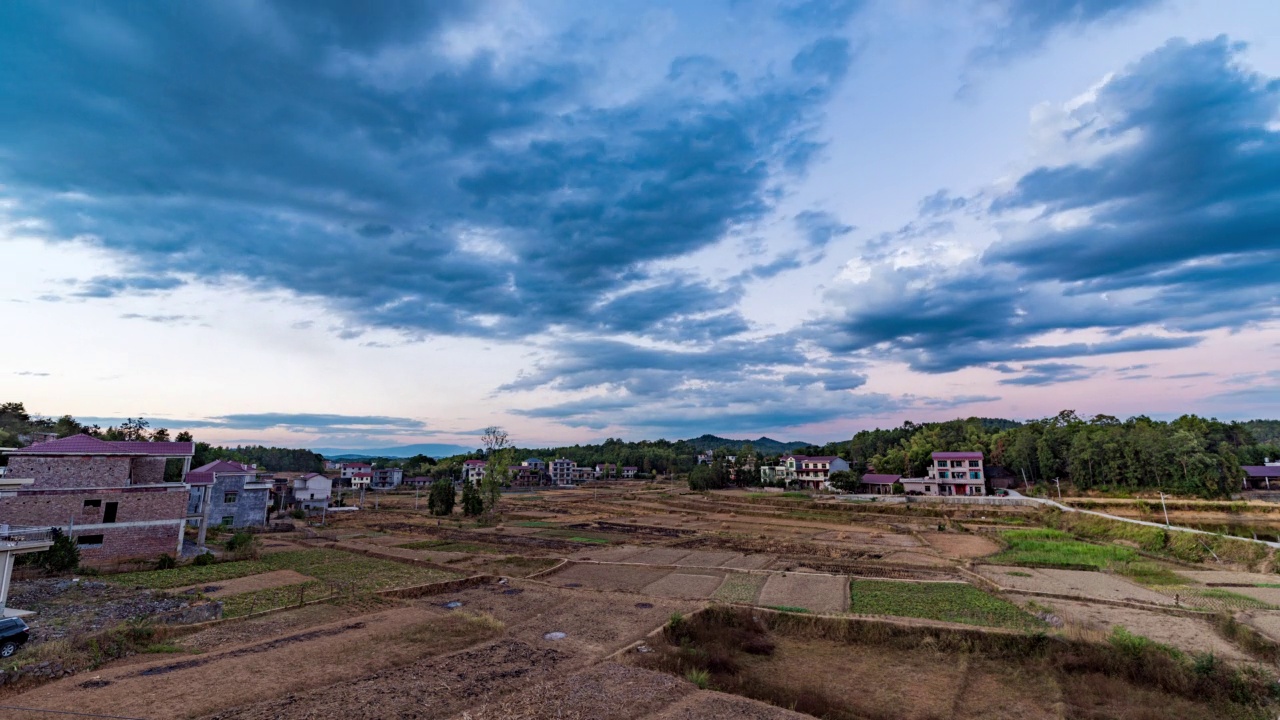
<point x="13" y="633"/>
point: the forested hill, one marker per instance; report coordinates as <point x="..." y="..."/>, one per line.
<point x="1265" y="432"/>
<point x="765" y="445"/>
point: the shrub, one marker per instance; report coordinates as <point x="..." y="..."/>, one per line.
<point x="61" y="557"/>
<point x="240" y="541"/>
<point x="441" y="498"/>
<point x="166" y="562"/>
<point x="298" y="514"/>
<point x="472" y="502"/>
<point x="701" y="678"/>
<point x="203" y="559"/>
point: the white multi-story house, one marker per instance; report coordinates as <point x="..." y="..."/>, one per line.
<point x="562" y="471"/>
<point x="349" y="470"/>
<point x="952" y="473"/>
<point x="811" y="472"/>
<point x="473" y="471"/>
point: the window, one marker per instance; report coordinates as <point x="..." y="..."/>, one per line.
<point x="228" y="519"/>
<point x="109" y="515"/>
<point x="973" y="463"/>
<point x="229" y="497"/>
<point x="928" y="488"/>
<point x="942" y="474"/>
<point x="89" y="540"/>
<point x="92" y="504"/>
<point x="975" y="476"/>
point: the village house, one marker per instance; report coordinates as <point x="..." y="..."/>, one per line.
<point x="629" y="472"/>
<point x="386" y="478"/>
<point x="809" y="472"/>
<point x="227" y="493"/>
<point x="110" y="497"/>
<point x="878" y="483"/>
<point x="312" y="491"/>
<point x="606" y="470"/>
<point x="359" y="480"/>
<point x="562" y="471"/>
<point x="351" y="469"/>
<point x="473" y="471"/>
<point x="952" y="473"/>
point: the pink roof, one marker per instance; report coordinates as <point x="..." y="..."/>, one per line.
<point x="1267" y="471"/>
<point x="818" y="458"/>
<point x="87" y="445"/>
<point x="356" y="465"/>
<point x="474" y="462"/>
<point x="880" y="479"/>
<point x="362" y="474"/>
<point x="198" y="477"/>
<point x="957" y="456"/>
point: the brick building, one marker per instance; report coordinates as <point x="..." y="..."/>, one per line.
<point x="228" y="493"/>
<point x="111" y="497"/>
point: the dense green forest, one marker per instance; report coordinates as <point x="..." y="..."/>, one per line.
<point x="268" y="458"/>
<point x="1190" y="455"/>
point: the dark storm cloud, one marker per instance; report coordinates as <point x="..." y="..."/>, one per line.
<point x="283" y="144"/>
<point x="1173" y="228"/>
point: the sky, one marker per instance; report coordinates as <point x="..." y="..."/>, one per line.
<point x="322" y="223"/>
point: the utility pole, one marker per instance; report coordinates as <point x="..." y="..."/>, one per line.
<point x="1059" y="484"/>
<point x="1165" y="508"/>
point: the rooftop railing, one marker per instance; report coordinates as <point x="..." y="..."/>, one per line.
<point x="14" y="534"/>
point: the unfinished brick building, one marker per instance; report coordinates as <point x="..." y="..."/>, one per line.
<point x="111" y="496"/>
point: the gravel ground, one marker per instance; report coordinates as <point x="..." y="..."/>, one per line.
<point x="815" y="593"/>
<point x="66" y="606"/>
<point x="749" y="562"/>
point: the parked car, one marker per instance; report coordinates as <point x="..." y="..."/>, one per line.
<point x="13" y="634"/>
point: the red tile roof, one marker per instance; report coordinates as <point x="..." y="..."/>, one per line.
<point x="957" y="455"/>
<point x="880" y="479"/>
<point x="87" y="445"/>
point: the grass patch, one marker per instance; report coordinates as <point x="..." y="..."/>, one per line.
<point x="1147" y="573"/>
<point x="1018" y="573"/>
<point x="787" y="608"/>
<point x="536" y="524"/>
<point x="1045" y="546"/>
<point x="190" y="574"/>
<point x="950" y="602"/>
<point x="1233" y="600"/>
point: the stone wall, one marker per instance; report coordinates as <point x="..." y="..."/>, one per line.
<point x="72" y="471"/>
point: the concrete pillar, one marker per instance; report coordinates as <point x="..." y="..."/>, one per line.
<point x="6" y="569"/>
<point x="204" y="513"/>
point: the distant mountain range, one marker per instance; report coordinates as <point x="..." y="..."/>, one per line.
<point x="435" y="450"/>
<point x="766" y="445"/>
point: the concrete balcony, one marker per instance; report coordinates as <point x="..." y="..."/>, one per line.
<point x="21" y="538"/>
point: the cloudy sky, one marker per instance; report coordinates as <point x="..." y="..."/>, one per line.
<point x="316" y="222"/>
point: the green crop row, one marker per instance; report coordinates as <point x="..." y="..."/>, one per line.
<point x="950" y="602"/>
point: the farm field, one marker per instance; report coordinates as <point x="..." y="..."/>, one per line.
<point x="949" y="602"/>
<point x="611" y="565"/>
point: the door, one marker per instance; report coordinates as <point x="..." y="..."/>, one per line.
<point x="109" y="513"/>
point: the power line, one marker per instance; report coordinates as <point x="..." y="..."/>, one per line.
<point x="68" y="712"/>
